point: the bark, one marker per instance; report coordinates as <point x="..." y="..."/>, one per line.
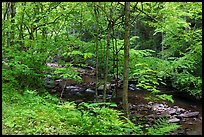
<point x="110" y="26"/>
<point x="97" y="33"/>
<point x="126" y="58"/>
<point x="107" y="57"/>
<point x="13" y="13"/>
<point x="21" y="36"/>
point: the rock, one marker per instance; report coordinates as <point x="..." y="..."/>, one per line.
<point x="179" y="111"/>
<point x="89" y="90"/>
<point x="147" y="125"/>
<point x="75" y="88"/>
<point x="150" y="103"/>
<point x="150" y="116"/>
<point x="79" y="101"/>
<point x="188" y="114"/>
<point x="171" y="111"/>
<point x="157" y="107"/>
<point x="141" y="105"/>
<point x="194" y="119"/>
<point x="53" y="65"/>
<point x="189" y="123"/>
<point x="108" y="97"/>
<point x="100" y="96"/>
<point x="163" y="114"/>
<point x="172" y="120"/>
<point x="101" y="87"/>
<point x="133" y="87"/>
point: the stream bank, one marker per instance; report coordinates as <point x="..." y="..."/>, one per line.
<point x="185" y="110"/>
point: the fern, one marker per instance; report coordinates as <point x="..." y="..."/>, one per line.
<point x="161" y="127"/>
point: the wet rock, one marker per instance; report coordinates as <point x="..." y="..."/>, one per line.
<point x="189" y="123"/>
<point x="53" y="65"/>
<point x="100" y="96"/>
<point x="132" y="107"/>
<point x="188" y="114"/>
<point x="179" y="111"/>
<point x="79" y="101"/>
<point x="133" y="87"/>
<point x="150" y="103"/>
<point x="89" y="90"/>
<point x="194" y="119"/>
<point x="171" y="111"/>
<point x="147" y="125"/>
<point x="172" y="120"/>
<point x="141" y="105"/>
<point x="163" y="114"/>
<point x="157" y="107"/>
<point x="101" y="87"/>
<point x="75" y="88"/>
<point x="108" y="96"/>
<point x="150" y="116"/>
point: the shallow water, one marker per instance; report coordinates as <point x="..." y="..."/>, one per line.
<point x="191" y="127"/>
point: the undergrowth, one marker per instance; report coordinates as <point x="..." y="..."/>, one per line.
<point x="27" y="113"/>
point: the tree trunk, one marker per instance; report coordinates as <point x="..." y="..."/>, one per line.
<point x="21" y="36"/>
<point x="107" y="54"/>
<point x="97" y="33"/>
<point x="13" y="13"/>
<point x="126" y="58"/>
<point x="106" y="67"/>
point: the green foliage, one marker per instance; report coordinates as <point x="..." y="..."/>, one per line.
<point x="161" y="127"/>
<point x="38" y="31"/>
<point x="188" y="82"/>
<point x="68" y="73"/>
<point x="166" y="97"/>
<point x="31" y="114"/>
<point x="163" y="97"/>
<point x="105" y="121"/>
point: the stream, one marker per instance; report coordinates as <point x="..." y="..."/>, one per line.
<point x="186" y="110"/>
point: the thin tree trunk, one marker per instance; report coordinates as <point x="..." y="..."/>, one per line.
<point x="13" y="13"/>
<point x="117" y="71"/>
<point x="7" y="14"/>
<point x="107" y="55"/>
<point x="97" y="33"/>
<point x="21" y="36"/>
<point x="106" y="68"/>
<point x="126" y="58"/>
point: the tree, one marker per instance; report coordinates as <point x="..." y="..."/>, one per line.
<point x="126" y="58"/>
<point x="97" y="33"/>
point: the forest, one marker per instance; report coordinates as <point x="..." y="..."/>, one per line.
<point x="102" y="68"/>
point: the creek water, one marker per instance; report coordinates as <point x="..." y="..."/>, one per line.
<point x="191" y="126"/>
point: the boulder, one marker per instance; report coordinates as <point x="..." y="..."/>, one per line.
<point x="157" y="107"/>
<point x="89" y="90"/>
<point x="75" y="88"/>
<point x="133" y="87"/>
<point x="172" y="120"/>
<point x="171" y="111"/>
<point x="101" y="87"/>
<point x="188" y="114"/>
